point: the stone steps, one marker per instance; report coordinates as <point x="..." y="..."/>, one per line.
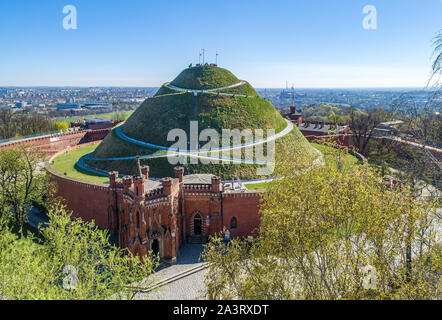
<point x="197" y="239"/>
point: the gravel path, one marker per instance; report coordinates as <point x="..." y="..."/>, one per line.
<point x="188" y="288"/>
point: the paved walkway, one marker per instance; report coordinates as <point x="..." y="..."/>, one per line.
<point x="202" y="154"/>
<point x="190" y="287"/>
<point x="206" y="90"/>
<point x="214" y="91"/>
<point x="36" y="219"/>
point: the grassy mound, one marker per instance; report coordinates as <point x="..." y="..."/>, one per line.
<point x="207" y="77"/>
<point x="173" y="109"/>
<point x="226" y="112"/>
<point x="166" y="91"/>
<point x="245" y="89"/>
<point x="152" y="121"/>
<point x="160" y="167"/>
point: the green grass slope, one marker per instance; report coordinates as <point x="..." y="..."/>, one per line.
<point x="152" y="121"/>
<point x="171" y="109"/>
<point x="245" y="89"/>
<point x="160" y="167"/>
<point x="226" y="112"/>
<point x="207" y="77"/>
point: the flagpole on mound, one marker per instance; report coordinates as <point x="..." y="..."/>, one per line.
<point x="204" y="53"/>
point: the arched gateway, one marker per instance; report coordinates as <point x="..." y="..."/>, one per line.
<point x="197" y="224"/>
<point x="155" y="247"/>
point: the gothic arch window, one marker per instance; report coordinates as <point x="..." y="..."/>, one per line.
<point x="233" y="223"/>
<point x="155" y="247"/>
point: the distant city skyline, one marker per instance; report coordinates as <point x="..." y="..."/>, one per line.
<point x="311" y="44"/>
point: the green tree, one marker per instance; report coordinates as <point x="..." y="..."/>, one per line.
<point x="22" y="183"/>
<point x="363" y="125"/>
<point x="73" y="261"/>
<point x="333" y="118"/>
<point x="414" y="164"/>
<point x="331" y="232"/>
<point x="61" y="125"/>
<point x="437" y="62"/>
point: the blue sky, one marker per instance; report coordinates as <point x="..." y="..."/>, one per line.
<point x="311" y="43"/>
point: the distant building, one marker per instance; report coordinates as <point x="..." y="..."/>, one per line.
<point x="99" y="123"/>
<point x="67" y="106"/>
<point x="20" y="104"/>
<point x="88" y="106"/>
<point x="98" y="106"/>
<point x="295" y="115"/>
<point x="388" y="128"/>
<point x="314" y="129"/>
<point x="319" y="128"/>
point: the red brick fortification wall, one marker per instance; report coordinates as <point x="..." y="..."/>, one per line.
<point x="87" y="200"/>
<point x="50" y="144"/>
<point x="95" y="135"/>
<point x="245" y="208"/>
<point x="58" y="142"/>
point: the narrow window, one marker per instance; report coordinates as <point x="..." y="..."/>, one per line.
<point x="233" y="223"/>
<point x="138" y="219"/>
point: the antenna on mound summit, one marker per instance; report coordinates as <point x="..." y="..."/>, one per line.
<point x="216" y="59"/>
<point x="204" y="56"/>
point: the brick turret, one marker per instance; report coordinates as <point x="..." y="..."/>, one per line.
<point x="139" y="185"/>
<point x="216" y="184"/>
<point x="127" y="183"/>
<point x="167" y="186"/>
<point x="145" y="172"/>
<point x="179" y="173"/>
<point x="113" y="176"/>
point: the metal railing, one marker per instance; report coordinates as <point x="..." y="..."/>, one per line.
<point x="37" y="135"/>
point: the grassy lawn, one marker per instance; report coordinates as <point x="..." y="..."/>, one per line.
<point x="204" y="78"/>
<point x="65" y="163"/>
<point x="109" y="115"/>
<point x="257" y="186"/>
<point x="327" y="150"/>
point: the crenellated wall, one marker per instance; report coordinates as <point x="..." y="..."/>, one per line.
<point x="51" y="144"/>
<point x="160" y="219"/>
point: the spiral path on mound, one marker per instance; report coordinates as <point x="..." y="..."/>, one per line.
<point x="193" y="153"/>
<point x="202" y="154"/>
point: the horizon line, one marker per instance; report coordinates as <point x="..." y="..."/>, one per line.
<point x="256" y="88"/>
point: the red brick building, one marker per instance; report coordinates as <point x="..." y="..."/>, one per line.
<point x="294" y="116"/>
<point x="318" y="130"/>
<point x="160" y="216"/>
